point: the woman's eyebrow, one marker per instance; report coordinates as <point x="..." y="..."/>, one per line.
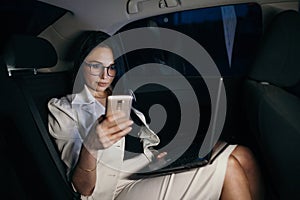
<point x="94" y="61"/>
<point x="99" y="62"/>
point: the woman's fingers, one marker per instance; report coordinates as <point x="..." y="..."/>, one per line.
<point x="115" y="118"/>
<point x="112" y="128"/>
<point x="116" y="122"/>
<point x="119" y="127"/>
<point x="109" y="139"/>
<point x="161" y="155"/>
<point x="117" y="136"/>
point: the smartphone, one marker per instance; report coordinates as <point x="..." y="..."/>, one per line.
<point x="119" y="103"/>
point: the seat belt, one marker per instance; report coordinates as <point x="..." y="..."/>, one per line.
<point x="46" y="137"/>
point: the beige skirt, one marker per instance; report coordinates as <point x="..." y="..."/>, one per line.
<point x="198" y="183"/>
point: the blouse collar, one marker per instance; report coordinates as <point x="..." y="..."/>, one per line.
<point x="83" y="97"/>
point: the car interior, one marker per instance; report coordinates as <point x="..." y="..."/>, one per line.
<point x="254" y="45"/>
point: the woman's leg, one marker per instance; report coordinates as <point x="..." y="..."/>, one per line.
<point x="235" y="185"/>
<point x="252" y="171"/>
<point x="196" y="184"/>
<point x="243" y="178"/>
<point x="236" y="165"/>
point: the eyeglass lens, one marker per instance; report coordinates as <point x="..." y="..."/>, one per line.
<point x="97" y="69"/>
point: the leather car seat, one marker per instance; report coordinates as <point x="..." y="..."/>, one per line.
<point x="40" y="172"/>
<point x="272" y="104"/>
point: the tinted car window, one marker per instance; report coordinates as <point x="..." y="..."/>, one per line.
<point x="230" y="36"/>
<point x="206" y="26"/>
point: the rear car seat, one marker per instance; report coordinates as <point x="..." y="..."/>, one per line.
<point x="33" y="154"/>
<point x="272" y="103"/>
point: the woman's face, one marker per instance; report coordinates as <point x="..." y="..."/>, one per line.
<point x="97" y="80"/>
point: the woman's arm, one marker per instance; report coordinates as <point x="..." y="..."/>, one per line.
<point x="103" y="135"/>
<point x="84" y="175"/>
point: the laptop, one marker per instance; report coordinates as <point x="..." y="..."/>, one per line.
<point x="187" y="162"/>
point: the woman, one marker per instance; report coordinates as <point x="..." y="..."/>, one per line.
<point x="92" y="146"/>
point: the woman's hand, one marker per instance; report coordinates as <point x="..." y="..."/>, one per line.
<point x="159" y="161"/>
<point x="109" y="130"/>
<point x="161" y="155"/>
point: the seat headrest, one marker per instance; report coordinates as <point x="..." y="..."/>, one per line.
<point x="278" y="59"/>
<point x="24" y="51"/>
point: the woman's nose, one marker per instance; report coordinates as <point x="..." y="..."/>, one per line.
<point x="104" y="74"/>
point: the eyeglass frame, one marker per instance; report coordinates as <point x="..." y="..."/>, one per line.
<point x="90" y="65"/>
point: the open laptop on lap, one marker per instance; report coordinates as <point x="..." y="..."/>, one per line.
<point x="186" y="162"/>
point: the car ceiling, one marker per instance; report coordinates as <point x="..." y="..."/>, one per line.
<point x="60" y="21"/>
<point x="90" y="14"/>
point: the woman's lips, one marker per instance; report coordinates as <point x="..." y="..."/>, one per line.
<point x="102" y="84"/>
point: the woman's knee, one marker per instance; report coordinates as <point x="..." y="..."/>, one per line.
<point x="233" y="164"/>
<point x="243" y="163"/>
<point x="244" y="156"/>
<point x="234" y="168"/>
<point x="236" y="185"/>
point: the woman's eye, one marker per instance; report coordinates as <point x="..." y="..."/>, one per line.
<point x="97" y="66"/>
<point x="112" y="67"/>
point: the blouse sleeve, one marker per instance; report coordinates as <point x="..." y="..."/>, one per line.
<point x="63" y="126"/>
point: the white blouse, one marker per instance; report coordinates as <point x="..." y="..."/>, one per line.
<point x="72" y="118"/>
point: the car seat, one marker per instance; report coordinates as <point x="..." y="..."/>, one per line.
<point x="33" y="154"/>
<point x="272" y="104"/>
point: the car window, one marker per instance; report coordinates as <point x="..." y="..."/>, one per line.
<point x="207" y="27"/>
<point x="229" y="34"/>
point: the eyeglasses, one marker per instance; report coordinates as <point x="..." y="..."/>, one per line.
<point x="98" y="69"/>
